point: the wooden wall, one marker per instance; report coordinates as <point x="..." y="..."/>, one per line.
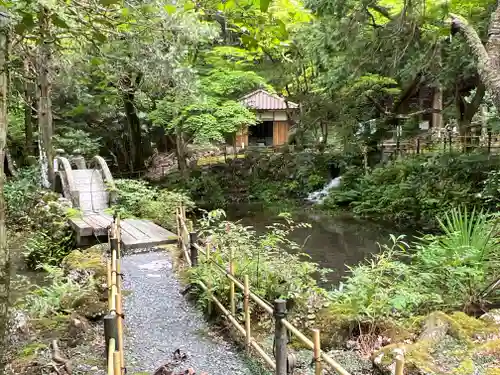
<point x="280" y="133"/>
<point x="242" y="137"/>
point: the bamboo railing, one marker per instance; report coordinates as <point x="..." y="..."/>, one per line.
<point x="283" y="362"/>
<point x="113" y="321"/>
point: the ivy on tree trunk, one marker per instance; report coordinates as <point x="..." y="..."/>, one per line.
<point x="44" y="100"/>
<point x="4" y="250"/>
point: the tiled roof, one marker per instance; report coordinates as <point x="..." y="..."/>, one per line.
<point x="262" y="100"/>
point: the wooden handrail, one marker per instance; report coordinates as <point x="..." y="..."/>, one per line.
<point x="115" y="358"/>
<point x="260" y="302"/>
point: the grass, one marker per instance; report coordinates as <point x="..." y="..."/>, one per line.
<point x="208" y="160"/>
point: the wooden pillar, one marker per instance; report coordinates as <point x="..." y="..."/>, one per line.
<point x="280" y="337"/>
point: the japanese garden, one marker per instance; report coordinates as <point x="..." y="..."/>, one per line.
<point x="249" y="187"/>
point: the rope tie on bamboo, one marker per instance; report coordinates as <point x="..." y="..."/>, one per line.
<point x="113" y="272"/>
<point x="121" y="315"/>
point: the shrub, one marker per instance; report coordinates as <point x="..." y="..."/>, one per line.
<point x="71" y="140"/>
<point x="416" y="189"/>
<point x="453" y="270"/>
<point x="131" y="193"/>
<point x="52" y="237"/>
<point x="163" y="208"/>
<point x="138" y="198"/>
<point x="21" y="195"/>
<point x="273" y="272"/>
<point x="61" y="294"/>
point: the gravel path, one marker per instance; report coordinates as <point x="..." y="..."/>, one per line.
<point x="158" y="320"/>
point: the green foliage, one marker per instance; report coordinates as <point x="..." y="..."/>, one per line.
<point x="273" y="271"/>
<point x="21" y="195"/>
<point x="382" y="287"/>
<point x="450" y="271"/>
<point x="131" y="193"/>
<point x="138" y="198"/>
<point x="163" y="208"/>
<point x="71" y="140"/>
<point x="418" y="188"/>
<point x="269" y="178"/>
<point x="210" y="112"/>
<point x="59" y="296"/>
<point x="52" y="237"/>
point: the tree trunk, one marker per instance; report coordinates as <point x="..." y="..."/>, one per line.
<point x="133" y="121"/>
<point x="28" y="111"/>
<point x="487" y="61"/>
<point x="180" y="150"/>
<point x="437" y="107"/>
<point x="45" y="125"/>
<point x="4" y="250"/>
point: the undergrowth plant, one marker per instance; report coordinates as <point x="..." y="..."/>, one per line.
<point x="59" y="296"/>
<point x="51" y="238"/>
<point x="21" y="195"/>
<point x="418" y="188"/>
<point x="272" y="270"/>
<point x="456" y="269"/>
<point x="137" y="198"/>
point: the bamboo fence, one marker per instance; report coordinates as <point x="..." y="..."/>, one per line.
<point x="113" y="321"/>
<point x="188" y="244"/>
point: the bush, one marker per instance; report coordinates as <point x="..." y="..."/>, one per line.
<point x="21" y="195"/>
<point x="71" y="140"/>
<point x="273" y="272"/>
<point x="60" y="296"/>
<point x="131" y="193"/>
<point x="269" y="178"/>
<point x="454" y="270"/>
<point x="138" y="198"/>
<point x="52" y="237"/>
<point x="162" y="210"/>
<point x="416" y="189"/>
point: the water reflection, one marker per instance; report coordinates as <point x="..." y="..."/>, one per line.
<point x="332" y="242"/>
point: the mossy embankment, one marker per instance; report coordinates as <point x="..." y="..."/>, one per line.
<point x="60" y="318"/>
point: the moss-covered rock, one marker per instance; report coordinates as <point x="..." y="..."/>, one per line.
<point x="92" y="306"/>
<point x="81" y="265"/>
<point x="448" y="344"/>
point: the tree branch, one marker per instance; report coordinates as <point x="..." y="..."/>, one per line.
<point x="486" y="70"/>
<point x="381" y="109"/>
<point x="472" y="107"/>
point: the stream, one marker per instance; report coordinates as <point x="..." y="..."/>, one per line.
<point x="333" y="242"/>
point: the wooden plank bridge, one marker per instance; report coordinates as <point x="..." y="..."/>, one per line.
<point x="92" y="191"/>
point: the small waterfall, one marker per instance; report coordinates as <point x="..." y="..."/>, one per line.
<point x="320" y="195"/>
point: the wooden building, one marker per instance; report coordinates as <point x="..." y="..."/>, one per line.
<point x="273" y="125"/>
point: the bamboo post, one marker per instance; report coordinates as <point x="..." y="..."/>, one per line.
<point x="119" y="302"/>
<point x="246" y="309"/>
<point x="116" y="363"/>
<point x="400" y="363"/>
<point x="110" y="350"/>
<point x="108" y="265"/>
<point x="280" y="337"/>
<point x="317" y="352"/>
<point x="232" y="300"/>
<point x="193" y="239"/>
<point x="110" y="334"/>
<point x="178" y="227"/>
<point x="209" y="303"/>
<point x="119" y="323"/>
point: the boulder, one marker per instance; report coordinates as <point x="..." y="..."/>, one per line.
<point x="82" y="265"/>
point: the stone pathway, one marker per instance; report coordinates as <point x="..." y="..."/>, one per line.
<point x="159" y="320"/>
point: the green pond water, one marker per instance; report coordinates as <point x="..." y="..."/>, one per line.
<point x="334" y="242"/>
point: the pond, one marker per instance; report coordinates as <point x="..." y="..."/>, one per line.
<point x="333" y="242"/>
